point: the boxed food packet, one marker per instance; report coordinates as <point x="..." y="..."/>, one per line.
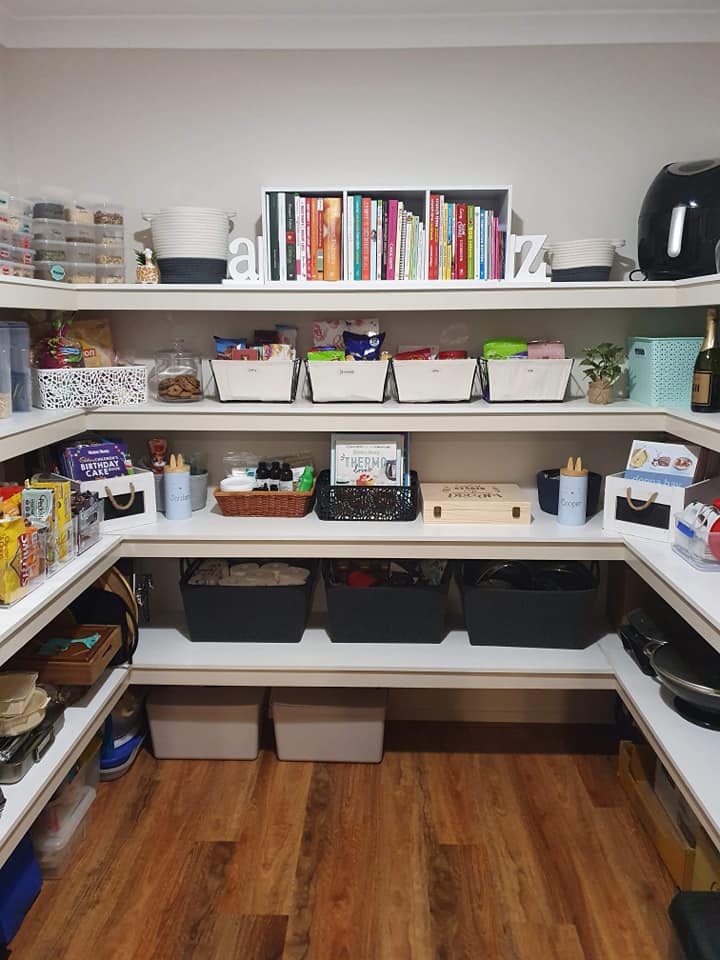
<point x="63" y="532"/>
<point x="95" y="338"/>
<point x="21" y="559"/>
<point x="38" y="508"/>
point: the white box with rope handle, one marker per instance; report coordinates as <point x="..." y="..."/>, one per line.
<point x="646" y="508"/>
<point x="127" y="501"/>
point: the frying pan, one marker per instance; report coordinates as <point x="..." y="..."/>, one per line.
<point x="696" y="684"/>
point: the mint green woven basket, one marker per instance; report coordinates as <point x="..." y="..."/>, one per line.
<point x="661" y="369"/>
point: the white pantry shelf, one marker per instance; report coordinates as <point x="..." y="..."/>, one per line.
<point x="23" y="432"/>
<point x="304" y="416"/>
<point x="26" y="799"/>
<point x="22" y="621"/>
<point x="166" y="656"/>
<point x="689" y="752"/>
<point x="209" y="534"/>
<point x="351" y="296"/>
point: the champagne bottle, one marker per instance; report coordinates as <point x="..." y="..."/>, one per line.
<point x="706" y="378"/>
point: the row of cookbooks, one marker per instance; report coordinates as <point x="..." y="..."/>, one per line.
<point x="466" y="242"/>
<point x="385" y="240"/>
<point x="304" y="236"/>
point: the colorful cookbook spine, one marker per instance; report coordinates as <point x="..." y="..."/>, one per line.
<point x="290" y="238"/>
<point x="282" y="235"/>
<point x="471" y="242"/>
<point x="308" y="252"/>
<point x="332" y="237"/>
<point x="365" y="238"/>
<point x="373" y="239"/>
<point x="385" y="236"/>
<point x="300" y="260"/>
<point x="434" y="217"/>
<point x="392" y="238"/>
<point x="461" y="244"/>
<point x="452" y="256"/>
<point x="378" y="266"/>
<point x="273" y="228"/>
<point x="357" y="237"/>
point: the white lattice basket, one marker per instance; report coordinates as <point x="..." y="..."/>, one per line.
<point x="90" y="387"/>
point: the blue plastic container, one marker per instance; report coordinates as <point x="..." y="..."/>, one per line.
<point x="661" y="369"/>
<point x="20" y="883"/>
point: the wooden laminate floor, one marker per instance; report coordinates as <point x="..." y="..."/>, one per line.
<point x="467" y="843"/>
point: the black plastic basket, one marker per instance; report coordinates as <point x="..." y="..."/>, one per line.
<point x="386" y="614"/>
<point x="218" y="614"/>
<point x="366" y="503"/>
<point x="502" y="617"/>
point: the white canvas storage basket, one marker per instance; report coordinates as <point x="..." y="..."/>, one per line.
<point x="425" y="381"/>
<point x="268" y="380"/>
<point x="338" y="381"/>
<point x="205" y="723"/>
<point x="90" y="387"/>
<point x="520" y="379"/>
<point x="327" y="724"/>
<point x="127" y="501"/>
<point x="642" y="508"/>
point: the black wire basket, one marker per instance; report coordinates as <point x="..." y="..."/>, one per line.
<point x="366" y="503"/>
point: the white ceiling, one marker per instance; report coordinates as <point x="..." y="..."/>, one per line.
<point x="283" y="24"/>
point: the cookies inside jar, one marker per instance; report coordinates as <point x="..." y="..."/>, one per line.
<point x="178" y="375"/>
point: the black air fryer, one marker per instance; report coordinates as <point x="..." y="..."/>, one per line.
<point x="679" y="223"/>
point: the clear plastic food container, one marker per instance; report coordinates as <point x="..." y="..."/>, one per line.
<point x="49" y="230"/>
<point x="50" y="270"/>
<point x="110" y="233"/>
<point x="15" y="254"/>
<point x="110" y="273"/>
<point x="19" y="207"/>
<point x="110" y="253"/>
<point x="80" y="272"/>
<point x="50" y="249"/>
<point x="79" y="211"/>
<point x="80" y="232"/>
<point x="81" y="252"/>
<point x="10" y="269"/>
<point x="21" y="240"/>
<point x="10" y="221"/>
<point x="109" y="213"/>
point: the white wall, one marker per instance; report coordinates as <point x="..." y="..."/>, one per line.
<point x="578" y="131"/>
<point x="7" y="162"/>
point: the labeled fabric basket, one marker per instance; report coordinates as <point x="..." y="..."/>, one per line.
<point x="269" y="381"/>
<point x="367" y="503"/>
<point x="90" y="387"/>
<point x="661" y="369"/>
<point x="520" y="379"/>
<point x="347" y="381"/>
<point x="428" y="381"/>
<point x="274" y="503"/>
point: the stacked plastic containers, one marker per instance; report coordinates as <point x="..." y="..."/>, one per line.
<point x="78" y="241"/>
<point x="16" y="254"/>
<point x="15" y="376"/>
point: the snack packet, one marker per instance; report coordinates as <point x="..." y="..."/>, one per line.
<point x="224" y="346"/>
<point x="362" y="346"/>
<point x="95" y="338"/>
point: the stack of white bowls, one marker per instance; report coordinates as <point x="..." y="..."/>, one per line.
<point x="191" y="243"/>
<point x="583" y="260"/>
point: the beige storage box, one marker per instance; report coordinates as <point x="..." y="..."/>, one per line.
<point x="329" y="724"/>
<point x="205" y="723"/>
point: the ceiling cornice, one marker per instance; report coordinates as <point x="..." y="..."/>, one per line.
<point x="360" y="32"/>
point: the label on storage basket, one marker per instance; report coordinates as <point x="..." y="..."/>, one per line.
<point x="340" y="381"/>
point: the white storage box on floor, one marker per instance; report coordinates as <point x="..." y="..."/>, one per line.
<point x="205" y="723"/>
<point x="329" y="724"/>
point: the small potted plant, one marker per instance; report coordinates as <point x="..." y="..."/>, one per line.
<point x="602" y="366"/>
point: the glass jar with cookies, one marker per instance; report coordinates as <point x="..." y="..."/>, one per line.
<point x="178" y="375"/>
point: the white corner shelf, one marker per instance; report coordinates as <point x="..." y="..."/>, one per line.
<point x="23" y="432"/>
<point x="166" y="656"/>
<point x="351" y="296"/>
<point x="24" y="619"/>
<point x="209" y="534"/>
<point x="27" y="798"/>
<point x="689" y="752"/>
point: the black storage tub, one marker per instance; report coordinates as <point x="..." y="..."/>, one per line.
<point x="386" y="614"/>
<point x="216" y="614"/>
<point x="557" y="619"/>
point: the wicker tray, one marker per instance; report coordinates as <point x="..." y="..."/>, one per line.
<point x="271" y="504"/>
